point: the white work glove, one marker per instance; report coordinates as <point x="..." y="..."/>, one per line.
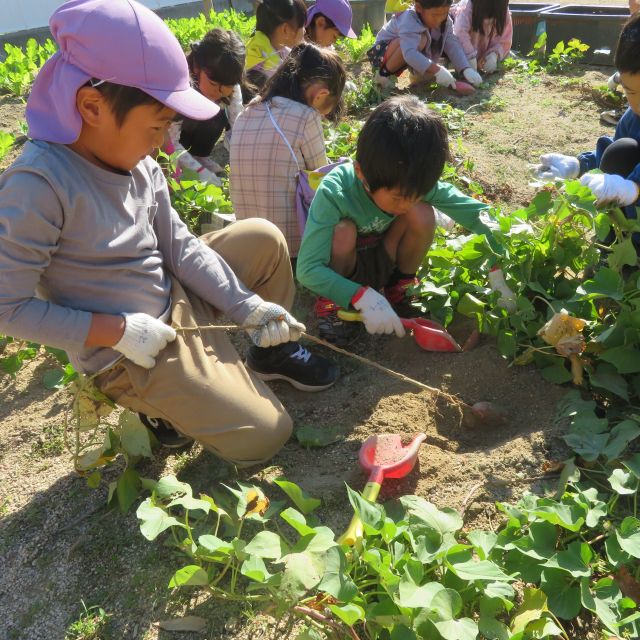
<point x="613" y="81"/>
<point x="473" y="63"/>
<point x="609" y="188"/>
<point x="377" y="314"/>
<point x="271" y="325"/>
<point x="445" y="79"/>
<point x="204" y="175"/>
<point x="507" y="298"/>
<point x="143" y="338"/>
<point x="350" y="86"/>
<point x="557" y="165"/>
<point x="472" y="77"/>
<point x="491" y="62"/>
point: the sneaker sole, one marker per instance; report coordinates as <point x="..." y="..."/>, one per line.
<point x="266" y="377"/>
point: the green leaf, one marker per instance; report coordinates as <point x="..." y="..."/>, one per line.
<point x="606" y="377"/>
<point x="255" y="569"/>
<point x="302" y="573"/>
<point x="624" y="358"/>
<point x="533" y="607"/>
<point x="470" y="306"/>
<point x="479" y="570"/>
<point x="606" y="283"/>
<point x="154" y="520"/>
<point x="311" y="436"/>
<point x="93" y="481"/>
<point x="557" y="373"/>
<point x="335" y="580"/>
<point x="296" y="520"/>
<point x="191" y="575"/>
<point x="633" y="464"/>
<point x="587" y="445"/>
<point x="422" y="512"/>
<point x="133" y="435"/>
<point x="628" y="536"/>
<point x="493" y="629"/>
<point x="416" y="596"/>
<point x="563" y="596"/>
<point x="461" y="629"/>
<point x="623" y="253"/>
<point x="370" y="513"/>
<point x="348" y="613"/>
<point x="623" y="482"/>
<point x="305" y="503"/>
<point x="267" y="544"/>
<point x="127" y="489"/>
<point x="169" y="485"/>
<point x="572" y="561"/>
<point x="621" y="435"/>
<point x="214" y="545"/>
<point x="568" y="516"/>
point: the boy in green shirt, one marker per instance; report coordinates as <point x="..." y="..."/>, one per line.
<point x="372" y="222"/>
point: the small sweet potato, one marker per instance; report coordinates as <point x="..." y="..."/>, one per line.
<point x="464" y="88"/>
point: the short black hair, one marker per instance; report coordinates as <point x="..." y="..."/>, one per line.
<point x="434" y="4"/>
<point x="270" y="14"/>
<point x="221" y="55"/>
<point x="123" y="99"/>
<point x="330" y="24"/>
<point x="627" y="57"/>
<point x="306" y="64"/>
<point x="403" y="145"/>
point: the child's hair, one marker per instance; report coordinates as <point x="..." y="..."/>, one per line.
<point x="493" y="9"/>
<point x="306" y="64"/>
<point x="434" y="4"/>
<point x="270" y="14"/>
<point x="221" y="55"/>
<point x="403" y="145"/>
<point x="123" y="99"/>
<point x="627" y="57"/>
<point x="330" y="24"/>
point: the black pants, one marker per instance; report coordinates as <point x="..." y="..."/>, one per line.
<point x="199" y="137"/>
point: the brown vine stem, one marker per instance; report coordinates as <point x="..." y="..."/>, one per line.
<point x="399" y="376"/>
<point x="316" y="615"/>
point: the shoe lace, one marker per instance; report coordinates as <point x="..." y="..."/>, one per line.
<point x="301" y="354"/>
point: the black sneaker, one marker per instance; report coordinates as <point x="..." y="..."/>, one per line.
<point x="332" y="328"/>
<point x="167" y="436"/>
<point x="295" y="364"/>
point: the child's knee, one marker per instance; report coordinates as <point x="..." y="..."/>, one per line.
<point x="265" y="442"/>
<point x="421" y="218"/>
<point x="345" y="235"/>
<point x="262" y="231"/>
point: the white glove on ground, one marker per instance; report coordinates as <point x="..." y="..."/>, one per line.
<point x="143" y="338"/>
<point x="445" y="79"/>
<point x="377" y="314"/>
<point x="204" y="175"/>
<point x="609" y="188"/>
<point x="472" y="77"/>
<point x="272" y="325"/>
<point x="473" y="63"/>
<point x="557" y="165"/>
<point x="491" y="62"/>
<point x="613" y="81"/>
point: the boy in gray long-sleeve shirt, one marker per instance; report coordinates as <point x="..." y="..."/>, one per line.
<point x="94" y="260"/>
<point x="418" y="38"/>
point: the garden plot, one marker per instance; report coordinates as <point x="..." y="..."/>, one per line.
<point x="62" y="548"/>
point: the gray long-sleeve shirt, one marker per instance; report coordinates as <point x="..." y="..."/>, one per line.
<point x="409" y="29"/>
<point x="76" y="239"/>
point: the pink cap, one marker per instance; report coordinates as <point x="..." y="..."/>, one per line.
<point x="338" y="11"/>
<point x="119" y="41"/>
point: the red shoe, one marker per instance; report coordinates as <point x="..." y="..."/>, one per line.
<point x="332" y="328"/>
<point x="401" y="297"/>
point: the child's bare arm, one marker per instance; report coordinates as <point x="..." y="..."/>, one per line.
<point x="105" y="330"/>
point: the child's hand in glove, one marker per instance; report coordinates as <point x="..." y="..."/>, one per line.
<point x="472" y="77"/>
<point x="609" y="188"/>
<point x="377" y="314"/>
<point x="204" y="175"/>
<point x="613" y="81"/>
<point x="490" y="62"/>
<point x="557" y="165"/>
<point x="272" y="325"/>
<point x="445" y="79"/>
<point x="143" y="338"/>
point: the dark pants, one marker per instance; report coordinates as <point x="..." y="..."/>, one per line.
<point x="621" y="158"/>
<point x="199" y="137"/>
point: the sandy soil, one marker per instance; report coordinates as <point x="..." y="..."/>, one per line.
<point x="59" y="546"/>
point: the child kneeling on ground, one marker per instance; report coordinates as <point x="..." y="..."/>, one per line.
<point x="86" y="220"/>
<point x="418" y="38"/>
<point x="371" y="222"/>
<point x="619" y="157"/>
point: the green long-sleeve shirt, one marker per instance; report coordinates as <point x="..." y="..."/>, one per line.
<point x="340" y="196"/>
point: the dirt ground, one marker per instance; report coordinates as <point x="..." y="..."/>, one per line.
<point x="59" y="545"/>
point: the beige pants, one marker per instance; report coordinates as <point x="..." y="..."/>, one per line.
<point x="199" y="383"/>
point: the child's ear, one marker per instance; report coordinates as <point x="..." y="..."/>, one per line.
<point x="91" y="105"/>
<point x="359" y="174"/>
<point x="317" y="96"/>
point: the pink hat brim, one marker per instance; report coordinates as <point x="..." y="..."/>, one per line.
<point x="188" y="102"/>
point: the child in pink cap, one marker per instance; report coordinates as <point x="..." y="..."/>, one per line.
<point x="328" y="20"/>
<point x="94" y="260"/>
